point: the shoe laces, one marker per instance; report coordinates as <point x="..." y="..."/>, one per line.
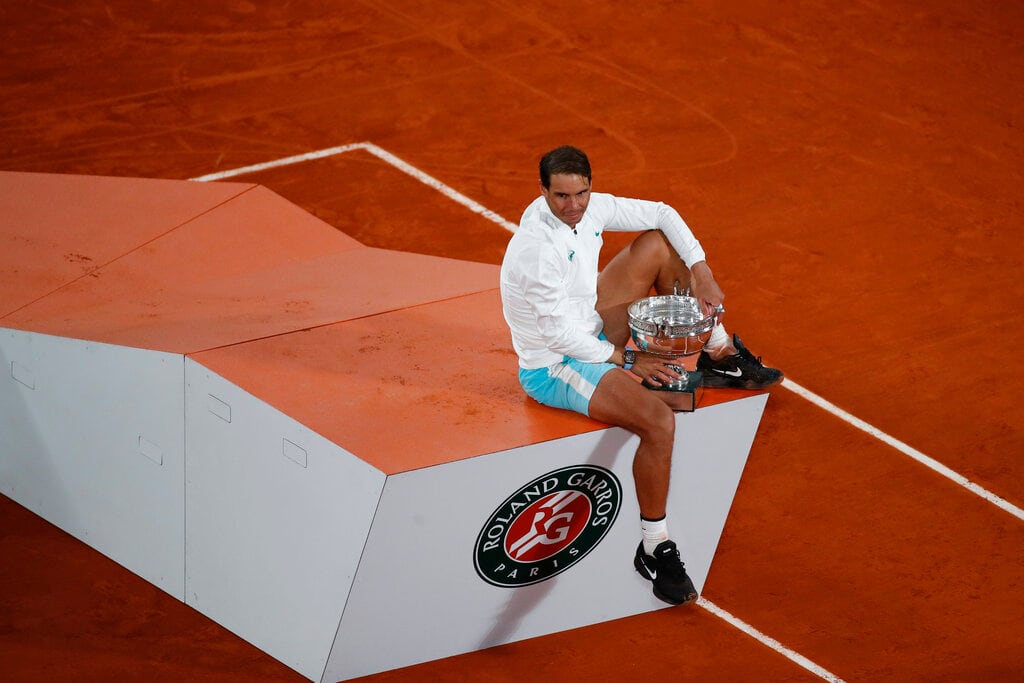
<point x="743" y="352"/>
<point x="746" y="355"/>
<point x="670" y="564"/>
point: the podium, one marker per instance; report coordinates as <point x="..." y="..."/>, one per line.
<point x="224" y="395"/>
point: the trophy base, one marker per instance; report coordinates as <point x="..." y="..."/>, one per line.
<point x="681" y="396"/>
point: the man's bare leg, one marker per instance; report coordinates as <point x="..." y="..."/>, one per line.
<point x="648" y="262"/>
<point x="622" y="401"/>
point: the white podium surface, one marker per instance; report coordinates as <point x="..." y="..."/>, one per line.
<point x="417" y="588"/>
<point x="92" y="440"/>
<point x="277" y="517"/>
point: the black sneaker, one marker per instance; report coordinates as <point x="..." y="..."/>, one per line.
<point x="740" y="371"/>
<point x="665" y="570"/>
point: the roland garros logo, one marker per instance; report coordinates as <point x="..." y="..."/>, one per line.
<point x="547" y="526"/>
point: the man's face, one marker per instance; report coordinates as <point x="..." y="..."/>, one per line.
<point x="567" y="197"/>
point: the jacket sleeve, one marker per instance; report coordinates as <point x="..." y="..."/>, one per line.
<point x="640" y="214"/>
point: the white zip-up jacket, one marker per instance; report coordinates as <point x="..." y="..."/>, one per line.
<point x="549" y="275"/>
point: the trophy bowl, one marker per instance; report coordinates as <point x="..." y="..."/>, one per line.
<point x="670" y="325"/>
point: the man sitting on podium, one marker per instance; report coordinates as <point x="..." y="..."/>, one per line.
<point x="570" y="328"/>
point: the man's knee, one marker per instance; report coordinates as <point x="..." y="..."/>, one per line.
<point x="653" y="246"/>
<point x="671" y="274"/>
<point x="659" y="423"/>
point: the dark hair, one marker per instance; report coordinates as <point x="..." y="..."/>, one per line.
<point x="565" y="160"/>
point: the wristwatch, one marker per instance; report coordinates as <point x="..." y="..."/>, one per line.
<point x="628" y="358"/>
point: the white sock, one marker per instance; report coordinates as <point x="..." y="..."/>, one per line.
<point x="655" y="531"/>
<point x="719" y="340"/>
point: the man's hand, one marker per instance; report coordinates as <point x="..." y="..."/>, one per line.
<point x="654" y="369"/>
<point x="704" y="288"/>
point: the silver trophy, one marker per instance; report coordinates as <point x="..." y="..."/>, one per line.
<point x="673" y="326"/>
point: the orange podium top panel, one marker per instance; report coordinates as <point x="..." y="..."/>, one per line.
<point x="402" y="390"/>
<point x="406" y="389"/>
<point x="252" y="267"/>
<point x="207" y="309"/>
<point x="56" y="228"/>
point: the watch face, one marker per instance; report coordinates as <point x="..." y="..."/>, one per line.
<point x="629" y="355"/>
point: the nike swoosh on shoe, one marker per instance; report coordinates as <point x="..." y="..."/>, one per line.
<point x="652" y="572"/>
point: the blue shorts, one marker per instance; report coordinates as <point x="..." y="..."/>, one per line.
<point x="568" y="384"/>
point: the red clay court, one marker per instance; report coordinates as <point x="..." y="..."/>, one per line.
<point x="853" y="170"/>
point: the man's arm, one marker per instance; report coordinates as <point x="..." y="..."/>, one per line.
<point x="621" y="213"/>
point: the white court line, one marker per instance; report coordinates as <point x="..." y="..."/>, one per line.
<point x="287" y="161"/>
<point x="917" y="455"/>
<point x="382" y="154"/>
<point x="792" y="386"/>
<point x="795" y="657"/>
